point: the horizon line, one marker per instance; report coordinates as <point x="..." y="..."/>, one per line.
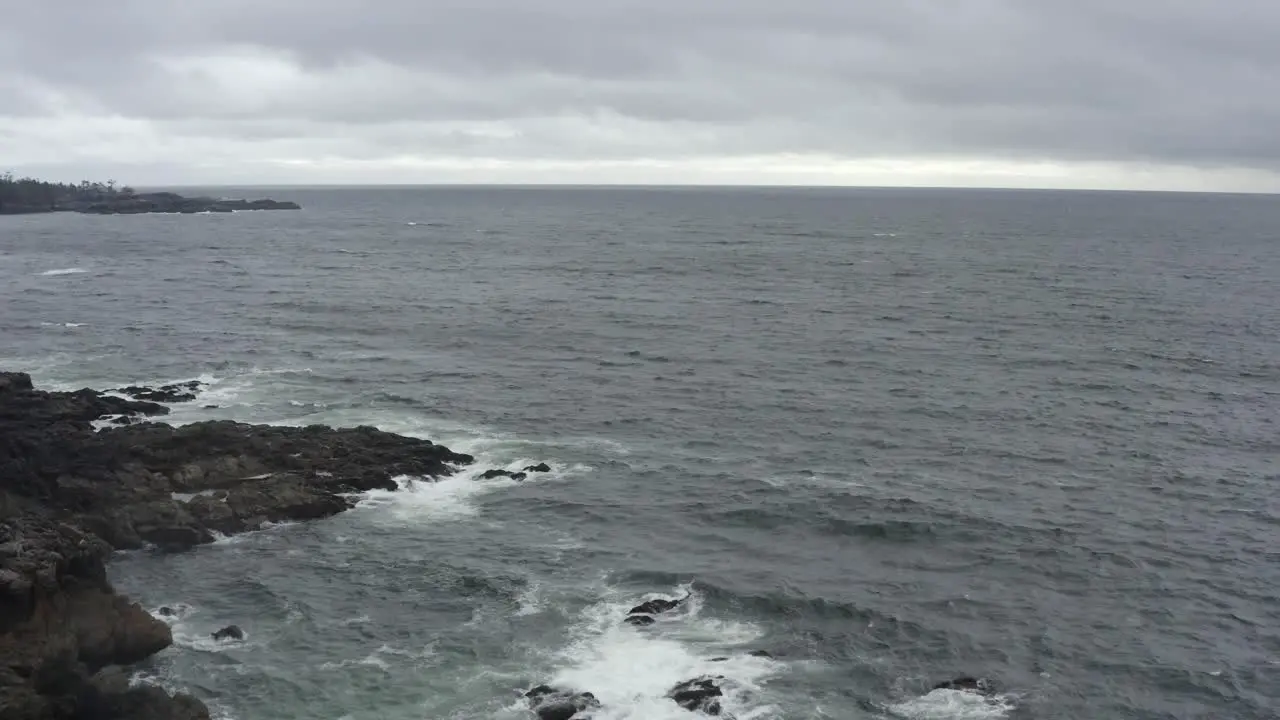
<point x="690" y="186"/>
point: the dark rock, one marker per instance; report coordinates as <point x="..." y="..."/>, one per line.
<point x="230" y="632"/>
<point x="550" y="703"/>
<point x="536" y="694"/>
<point x="982" y="686"/>
<point x="166" y="611"/>
<point x="699" y="695"/>
<point x="210" y="407"/>
<point x="656" y="606"/>
<point x="176" y="537"/>
<point x="760" y="654"/>
<point x="175" y="393"/>
<point x="718" y="659"/>
<point x="15" y="382"/>
<point x="491" y="474"/>
<point x="640" y="620"/>
<point x="61" y="622"/>
<point x="108" y="695"/>
<point x="540" y="467"/>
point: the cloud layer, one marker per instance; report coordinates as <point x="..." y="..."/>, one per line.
<point x="1144" y="93"/>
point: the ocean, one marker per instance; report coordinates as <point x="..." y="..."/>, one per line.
<point x="889" y="436"/>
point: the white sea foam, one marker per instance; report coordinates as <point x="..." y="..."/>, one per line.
<point x="265" y="530"/>
<point x="458" y="494"/>
<point x="382" y="658"/>
<point x="63" y="271"/>
<point x="189" y="632"/>
<point x="631" y="670"/>
<point x="416" y="500"/>
<point x="188" y="497"/>
<point x="952" y="705"/>
<point x="161" y="678"/>
<point x="529" y="601"/>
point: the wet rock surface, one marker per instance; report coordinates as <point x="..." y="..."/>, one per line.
<point x="230" y="632"/>
<point x="175" y="392"/>
<point x="551" y="703"/>
<point x="699" y="695"/>
<point x="643" y="614"/>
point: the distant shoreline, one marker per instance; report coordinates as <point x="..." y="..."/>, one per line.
<point x="163" y="202"/>
<point x="27" y="196"/>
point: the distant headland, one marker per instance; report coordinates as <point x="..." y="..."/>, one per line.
<point x="27" y="195"/>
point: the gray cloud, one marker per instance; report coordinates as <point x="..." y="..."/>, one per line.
<point x="1189" y="83"/>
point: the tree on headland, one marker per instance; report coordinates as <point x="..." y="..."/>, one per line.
<point x="29" y="195"/>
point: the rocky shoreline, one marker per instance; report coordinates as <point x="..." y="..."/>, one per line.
<point x="70" y="495"/>
<point x="167" y="202"/>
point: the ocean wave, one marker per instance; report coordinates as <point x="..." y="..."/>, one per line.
<point x="953" y="705"/>
<point x="184" y="621"/>
<point x="452" y="497"/>
<point x="631" y="670"/>
<point x="63" y="271"/>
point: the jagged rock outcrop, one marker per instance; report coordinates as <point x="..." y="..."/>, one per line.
<point x="172" y="393"/>
<point x="177" y="486"/>
<point x="62" y="627"/>
<point x="70" y="494"/>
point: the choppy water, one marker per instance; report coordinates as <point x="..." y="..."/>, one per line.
<point x="890" y="436"/>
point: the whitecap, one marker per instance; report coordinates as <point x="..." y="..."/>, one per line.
<point x="631" y="670"/>
<point x="529" y="601"/>
<point x="455" y="496"/>
<point x="63" y="271"/>
<point x="947" y="704"/>
<point x="264" y="531"/>
<point x="417" y="499"/>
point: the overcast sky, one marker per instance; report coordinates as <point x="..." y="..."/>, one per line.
<point x="1181" y="94"/>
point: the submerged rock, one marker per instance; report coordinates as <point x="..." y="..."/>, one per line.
<point x="550" y="703"/>
<point x="173" y="393"/>
<point x="539" y="468"/>
<point x="981" y="686"/>
<point x="642" y="614"/>
<point x="230" y="632"/>
<point x="497" y="473"/>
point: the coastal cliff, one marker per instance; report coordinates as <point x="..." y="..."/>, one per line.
<point x="70" y="495"/>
